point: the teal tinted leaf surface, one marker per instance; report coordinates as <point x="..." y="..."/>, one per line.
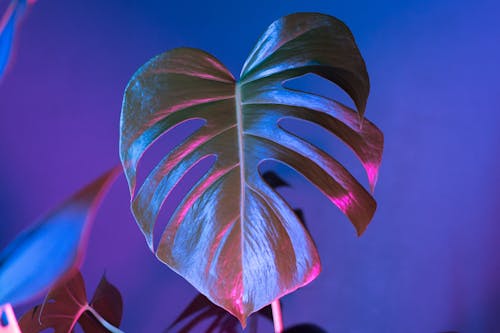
<point x="232" y="236"/>
<point x="47" y="252"/>
<point x="68" y="306"/>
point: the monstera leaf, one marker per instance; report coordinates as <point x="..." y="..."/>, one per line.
<point x="68" y="306"/>
<point x="48" y="252"/>
<point x="232" y="236"/>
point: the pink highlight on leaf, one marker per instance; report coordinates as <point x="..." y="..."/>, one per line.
<point x="179" y="217"/>
<point x="372" y="172"/>
<point x="236" y="295"/>
<point x="216" y="64"/>
<point x="160" y="115"/>
<point x="344" y="202"/>
<point x="192" y="145"/>
<point x="200" y="190"/>
<point x="313" y="273"/>
<point x="200" y="75"/>
<point x="219" y="239"/>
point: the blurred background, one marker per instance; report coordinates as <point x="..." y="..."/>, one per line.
<point x="429" y="261"/>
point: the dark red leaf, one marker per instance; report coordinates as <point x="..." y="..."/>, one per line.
<point x="67" y="305"/>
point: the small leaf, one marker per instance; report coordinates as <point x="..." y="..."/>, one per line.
<point x="233" y="236"/>
<point x="47" y="252"/>
<point x="107" y="301"/>
<point x="67" y="305"/>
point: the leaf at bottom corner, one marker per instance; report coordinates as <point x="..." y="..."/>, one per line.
<point x="67" y="305"/>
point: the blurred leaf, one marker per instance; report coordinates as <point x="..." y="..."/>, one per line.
<point x="47" y="252"/>
<point x="107" y="302"/>
<point x="8" y="24"/>
<point x="233" y="237"/>
<point x="67" y="305"/>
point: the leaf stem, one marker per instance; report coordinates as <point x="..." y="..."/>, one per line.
<point x="277" y="317"/>
<point x="103" y="321"/>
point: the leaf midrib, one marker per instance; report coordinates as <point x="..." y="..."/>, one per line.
<point x="239" y="121"/>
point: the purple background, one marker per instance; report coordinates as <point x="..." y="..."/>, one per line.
<point x="429" y="261"/>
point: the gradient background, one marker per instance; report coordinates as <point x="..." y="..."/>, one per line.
<point x="430" y="260"/>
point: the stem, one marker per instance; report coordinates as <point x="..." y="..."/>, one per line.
<point x="277" y="317"/>
<point x="103" y="321"/>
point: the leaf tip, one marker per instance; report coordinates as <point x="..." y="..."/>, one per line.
<point x="360" y="231"/>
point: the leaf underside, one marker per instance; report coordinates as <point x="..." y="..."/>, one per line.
<point x="67" y="305"/>
<point x="233" y="237"/>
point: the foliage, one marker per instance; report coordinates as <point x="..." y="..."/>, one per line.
<point x="8" y="23"/>
<point x="233" y="237"/>
<point x="67" y="305"/>
<point x="52" y="249"/>
<point x="201" y="309"/>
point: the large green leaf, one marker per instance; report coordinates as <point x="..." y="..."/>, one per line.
<point x="233" y="237"/>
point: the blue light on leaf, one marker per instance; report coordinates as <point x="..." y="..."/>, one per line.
<point x="51" y="249"/>
<point x="8" y="25"/>
<point x="233" y="237"/>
